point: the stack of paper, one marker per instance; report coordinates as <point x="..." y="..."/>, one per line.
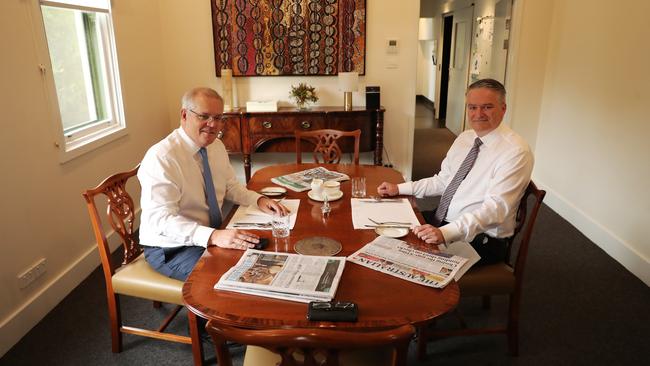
<point x="284" y="276"/>
<point x="262" y="106"/>
<point x="252" y="217"/>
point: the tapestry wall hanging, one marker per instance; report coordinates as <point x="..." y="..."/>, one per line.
<point x="289" y="37"/>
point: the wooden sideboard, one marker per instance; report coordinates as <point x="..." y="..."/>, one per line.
<point x="249" y="132"/>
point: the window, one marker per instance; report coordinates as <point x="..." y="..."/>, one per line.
<point x="84" y="71"/>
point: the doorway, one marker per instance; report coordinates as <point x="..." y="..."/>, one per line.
<point x="447" y="22"/>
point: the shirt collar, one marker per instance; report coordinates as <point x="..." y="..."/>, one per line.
<point x="492" y="136"/>
<point x="189" y="144"/>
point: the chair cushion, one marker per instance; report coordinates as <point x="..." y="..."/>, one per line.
<point x="140" y="280"/>
<point x="258" y="356"/>
<point x="493" y="279"/>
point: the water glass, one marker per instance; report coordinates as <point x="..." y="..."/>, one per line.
<point x="280" y="226"/>
<point x="358" y="187"/>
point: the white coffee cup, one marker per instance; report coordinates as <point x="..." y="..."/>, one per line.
<point x="317" y="187"/>
<point x="331" y="188"/>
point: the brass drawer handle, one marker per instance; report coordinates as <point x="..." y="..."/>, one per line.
<point x="267" y="124"/>
<point x="305" y="125"/>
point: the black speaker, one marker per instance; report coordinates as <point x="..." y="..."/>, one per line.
<point x="372" y="97"/>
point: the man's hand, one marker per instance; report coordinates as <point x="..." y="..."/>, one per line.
<point x="429" y="234"/>
<point x="387" y="189"/>
<point x="271" y="206"/>
<point x="234" y="239"/>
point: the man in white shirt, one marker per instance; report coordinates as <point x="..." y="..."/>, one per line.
<point x="176" y="215"/>
<point x="483" y="207"/>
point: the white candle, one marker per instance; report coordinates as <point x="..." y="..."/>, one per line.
<point x="226" y="89"/>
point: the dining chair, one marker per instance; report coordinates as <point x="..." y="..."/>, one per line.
<point x="313" y="346"/>
<point x="133" y="276"/>
<point x="326" y="148"/>
<point x="497" y="279"/>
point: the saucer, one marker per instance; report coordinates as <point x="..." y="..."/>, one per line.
<point x="272" y="191"/>
<point x="321" y="199"/>
<point x="392" y="232"/>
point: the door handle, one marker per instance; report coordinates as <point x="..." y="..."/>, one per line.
<point x="305" y="125"/>
<point x="267" y="124"/>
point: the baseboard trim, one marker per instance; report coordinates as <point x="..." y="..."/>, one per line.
<point x="15" y="326"/>
<point x="608" y="241"/>
<point x="426" y="102"/>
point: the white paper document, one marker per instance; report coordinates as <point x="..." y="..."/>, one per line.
<point x="465" y="250"/>
<point x="284" y="276"/>
<point x="251" y="217"/>
<point x="399" y="259"/>
<point x="395" y="211"/>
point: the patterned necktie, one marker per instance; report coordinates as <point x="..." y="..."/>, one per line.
<point x="465" y="167"/>
<point x="210" y="194"/>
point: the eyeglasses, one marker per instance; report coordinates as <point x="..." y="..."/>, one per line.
<point x="208" y="118"/>
<point x="328" y="305"/>
<point x="483" y="107"/>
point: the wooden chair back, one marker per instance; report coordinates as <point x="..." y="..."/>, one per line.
<point x="525" y="221"/>
<point x="120" y="213"/>
<point x="327" y="151"/>
<point x="317" y="346"/>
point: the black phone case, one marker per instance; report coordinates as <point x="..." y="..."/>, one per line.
<point x="333" y="314"/>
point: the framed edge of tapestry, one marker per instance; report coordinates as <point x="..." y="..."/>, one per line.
<point x="289" y="37"/>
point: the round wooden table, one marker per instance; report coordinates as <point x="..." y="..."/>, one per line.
<point x="384" y="301"/>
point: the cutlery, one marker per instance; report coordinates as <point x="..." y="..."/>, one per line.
<point x="257" y="224"/>
<point x="391" y="226"/>
<point x="389" y="222"/>
<point x="377" y="199"/>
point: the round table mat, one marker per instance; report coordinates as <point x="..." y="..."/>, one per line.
<point x="318" y="245"/>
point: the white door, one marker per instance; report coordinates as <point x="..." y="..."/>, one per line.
<point x="459" y="69"/>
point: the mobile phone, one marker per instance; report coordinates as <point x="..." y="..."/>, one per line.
<point x="262" y="244"/>
<point x="333" y="311"/>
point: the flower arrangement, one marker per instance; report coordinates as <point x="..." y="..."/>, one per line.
<point x="303" y="94"/>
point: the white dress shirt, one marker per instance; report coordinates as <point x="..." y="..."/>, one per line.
<point x="173" y="201"/>
<point x="487" y="199"/>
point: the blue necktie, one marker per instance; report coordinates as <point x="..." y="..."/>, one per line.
<point x="210" y="194"/>
<point x="465" y="167"/>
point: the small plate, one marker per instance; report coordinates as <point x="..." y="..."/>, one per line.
<point x="313" y="196"/>
<point x="392" y="232"/>
<point x="273" y="191"/>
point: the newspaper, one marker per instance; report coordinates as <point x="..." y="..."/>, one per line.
<point x="301" y="181"/>
<point x="397" y="258"/>
<point x="284" y="276"/>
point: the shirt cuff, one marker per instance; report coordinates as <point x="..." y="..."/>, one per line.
<point x="202" y="235"/>
<point x="405" y="188"/>
<point x="450" y="232"/>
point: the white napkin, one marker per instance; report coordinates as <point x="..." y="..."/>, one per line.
<point x="252" y="214"/>
<point x="364" y="209"/>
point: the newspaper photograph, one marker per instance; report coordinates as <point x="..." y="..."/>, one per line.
<point x="397" y="258"/>
<point x="301" y="181"/>
<point x="284" y="276"/>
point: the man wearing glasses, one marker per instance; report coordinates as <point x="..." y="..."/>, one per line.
<point x="481" y="180"/>
<point x="185" y="179"/>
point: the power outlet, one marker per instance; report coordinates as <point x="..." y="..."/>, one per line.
<point x="32" y="273"/>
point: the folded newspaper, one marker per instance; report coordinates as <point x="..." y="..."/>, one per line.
<point x="301" y="181"/>
<point x="397" y="258"/>
<point x="284" y="276"/>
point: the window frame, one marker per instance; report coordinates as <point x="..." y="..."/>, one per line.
<point x="84" y="139"/>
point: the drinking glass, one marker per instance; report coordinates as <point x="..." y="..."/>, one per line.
<point x="280" y="226"/>
<point x="358" y="187"/>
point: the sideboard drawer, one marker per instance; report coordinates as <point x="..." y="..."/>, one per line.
<point x="284" y="125"/>
<point x="231" y="133"/>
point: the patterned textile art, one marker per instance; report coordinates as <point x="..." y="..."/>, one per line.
<point x="289" y="37"/>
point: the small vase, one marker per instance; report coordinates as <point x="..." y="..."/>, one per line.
<point x="302" y="106"/>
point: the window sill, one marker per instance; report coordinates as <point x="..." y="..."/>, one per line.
<point x="71" y="150"/>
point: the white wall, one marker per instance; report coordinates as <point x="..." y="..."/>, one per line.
<point x="592" y="149"/>
<point x="43" y="212"/>
<point x="189" y="61"/>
